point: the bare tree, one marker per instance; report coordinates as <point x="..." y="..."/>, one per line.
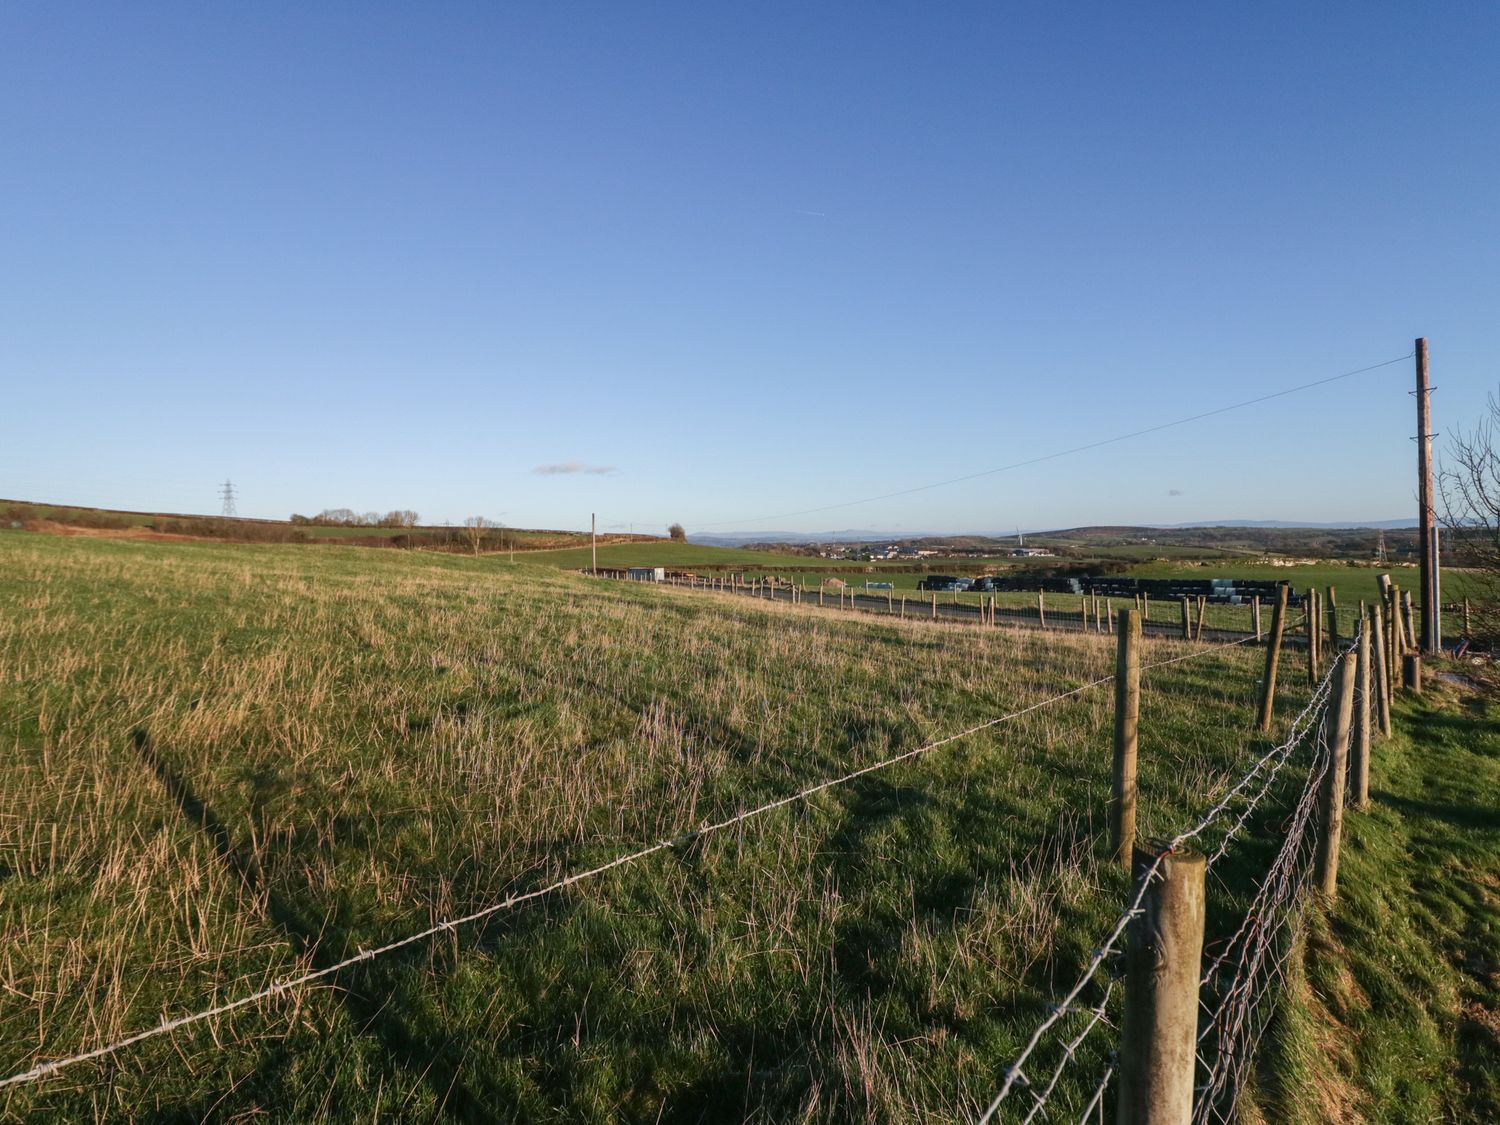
<point x="677" y="533"/>
<point x="1469" y="483"/>
<point x="474" y="531"/>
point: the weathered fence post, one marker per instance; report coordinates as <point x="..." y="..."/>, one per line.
<point x="1359" y="755"/>
<point x="1202" y="610"/>
<point x="1273" y="660"/>
<point x="1333" y="618"/>
<point x="1311" y="603"/>
<point x="1187" y="620"/>
<point x="903" y="607"/>
<point x="934" y="605"/>
<point x="1083" y="613"/>
<point x="1163" y="961"/>
<point x="1145" y="607"/>
<point x="1466" y="618"/>
<point x="1382" y="678"/>
<point x="1397" y="624"/>
<point x="1255" y="617"/>
<point x="1331" y="795"/>
<point x="1411" y="672"/>
<point x="1127" y="724"/>
<point x="1409" y="613"/>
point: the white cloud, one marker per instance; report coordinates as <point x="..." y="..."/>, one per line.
<point x="568" y="468"/>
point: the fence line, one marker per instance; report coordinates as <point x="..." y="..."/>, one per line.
<point x="1264" y="943"/>
<point x="278" y="988"/>
<point x="1015" y="1073"/>
<point x="281" y="987"/>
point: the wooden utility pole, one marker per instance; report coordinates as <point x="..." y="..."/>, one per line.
<point x="1163" y="961"/>
<point x="1336" y="722"/>
<point x="1431" y="638"/>
<point x="1273" y="658"/>
<point x="1127" y="724"/>
<point x="594" y="541"/>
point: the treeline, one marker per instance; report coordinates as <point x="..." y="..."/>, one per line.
<point x="347" y="517"/>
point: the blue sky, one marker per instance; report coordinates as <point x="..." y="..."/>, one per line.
<point x="749" y="260"/>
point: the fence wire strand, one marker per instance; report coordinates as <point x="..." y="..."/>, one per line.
<point x="1265" y="768"/>
<point x="286" y="985"/>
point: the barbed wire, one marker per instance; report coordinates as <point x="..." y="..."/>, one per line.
<point x="1258" y="952"/>
<point x="1015" y="1072"/>
<point x="1068" y="1052"/>
<point x="1098" y="1098"/>
<point x="281" y="987"/>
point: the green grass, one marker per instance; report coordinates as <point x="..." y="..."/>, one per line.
<point x="1395" y="1015"/>
<point x="221" y="763"/>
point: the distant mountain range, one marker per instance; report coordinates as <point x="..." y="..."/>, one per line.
<point x="859" y="535"/>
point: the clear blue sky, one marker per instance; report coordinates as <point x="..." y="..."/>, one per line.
<point x="751" y="259"/>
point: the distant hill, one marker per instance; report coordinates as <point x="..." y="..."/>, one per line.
<point x="857" y="535"/>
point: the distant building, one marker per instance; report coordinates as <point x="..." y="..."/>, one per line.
<point x="647" y="574"/>
<point x="1031" y="553"/>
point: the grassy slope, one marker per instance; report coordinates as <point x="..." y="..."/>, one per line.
<point x="386" y="738"/>
<point x="379" y="739"/>
<point x="1396" y="1014"/>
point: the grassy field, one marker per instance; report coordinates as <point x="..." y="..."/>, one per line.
<point x="661" y="553"/>
<point x="225" y="763"/>
<point x="1394" y="1009"/>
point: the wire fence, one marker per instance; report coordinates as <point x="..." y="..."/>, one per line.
<point x="1242" y="975"/>
<point x="1239" y="990"/>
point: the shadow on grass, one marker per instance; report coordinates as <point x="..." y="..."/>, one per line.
<point x="371" y="1012"/>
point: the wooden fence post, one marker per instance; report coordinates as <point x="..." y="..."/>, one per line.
<point x="1382" y="677"/>
<point x="1127" y="724"/>
<point x="1411" y="672"/>
<point x="1255" y="617"/>
<point x="1359" y="751"/>
<point x="1163" y="961"/>
<point x="1083" y="613"/>
<point x="1202" y="609"/>
<point x="1187" y="621"/>
<point x="1411" y="621"/>
<point x="934" y="605"/>
<point x="1273" y="660"/>
<point x="903" y="607"/>
<point x="1311" y="604"/>
<point x="1145" y="607"/>
<point x="1396" y="631"/>
<point x="1331" y="795"/>
<point x="1041" y="609"/>
<point x="1467" y="633"/>
<point x="1333" y="618"/>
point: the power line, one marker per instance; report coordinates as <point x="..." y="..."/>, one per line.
<point x="1069" y="452"/>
